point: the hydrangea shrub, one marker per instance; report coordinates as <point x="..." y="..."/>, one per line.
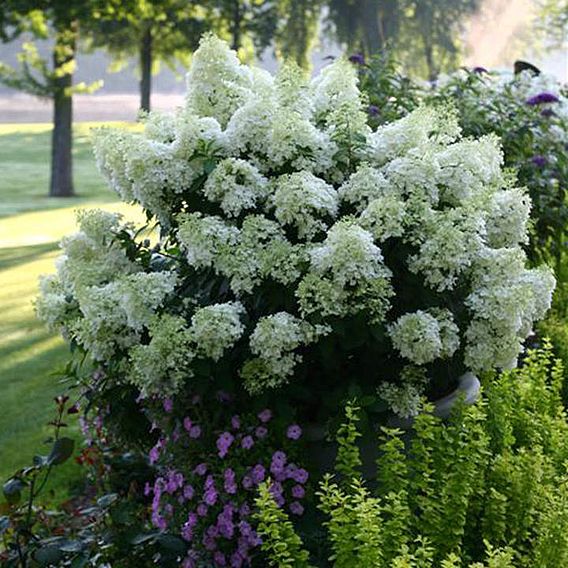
<point x="530" y="114"/>
<point x="300" y="251"/>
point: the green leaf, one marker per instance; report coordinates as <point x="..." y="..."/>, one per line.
<point x="79" y="562"/>
<point x="4" y="524"/>
<point x="107" y="500"/>
<point x="13" y="490"/>
<point x="61" y="451"/>
<point x="40" y="461"/>
<point x="48" y="555"/>
<point x="144" y="537"/>
<point x="173" y="543"/>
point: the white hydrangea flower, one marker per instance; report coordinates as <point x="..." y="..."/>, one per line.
<point x="302" y="200"/>
<point x="405" y="397"/>
<point x="452" y="241"/>
<point x="236" y="185"/>
<point x="346" y="275"/>
<point x="384" y="217"/>
<point x="54" y="305"/>
<point x="111" y="147"/>
<point x="260" y="251"/>
<point x="91" y="257"/>
<point x="415" y="174"/>
<point x="340" y="109"/>
<point x="274" y="341"/>
<point x="161" y="366"/>
<point x="103" y="328"/>
<point x="204" y="237"/>
<point x="423" y="337"/>
<point x="216" y="328"/>
<point x="506" y="299"/>
<point x="468" y="166"/>
<point x="507" y="218"/>
<point x="364" y="185"/>
<point x="217" y="83"/>
<point x="141" y="294"/>
<point x="418" y="129"/>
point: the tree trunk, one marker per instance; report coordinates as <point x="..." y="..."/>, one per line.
<point x="146" y="70"/>
<point x="236" y="25"/>
<point x="430" y="64"/>
<point x="61" y="184"/>
<point x="371" y="30"/>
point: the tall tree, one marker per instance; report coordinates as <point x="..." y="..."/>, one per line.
<point x="297" y="29"/>
<point x="153" y="31"/>
<point x="435" y="26"/>
<point x="249" y="25"/>
<point x="59" y="20"/>
<point x="552" y="19"/>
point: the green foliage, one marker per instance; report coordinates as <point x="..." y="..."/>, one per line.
<point x="280" y="542"/>
<point x="485" y="489"/>
<point x="348" y="459"/>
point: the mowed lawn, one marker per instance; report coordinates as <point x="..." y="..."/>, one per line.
<point x="31" y="225"/>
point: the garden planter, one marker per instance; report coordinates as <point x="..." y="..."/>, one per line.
<point x="323" y="452"/>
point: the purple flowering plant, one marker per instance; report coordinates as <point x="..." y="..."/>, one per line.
<point x="208" y="468"/>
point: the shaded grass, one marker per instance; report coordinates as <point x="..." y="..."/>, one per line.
<point x="31" y="225"/>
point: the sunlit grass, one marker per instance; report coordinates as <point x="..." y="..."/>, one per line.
<point x="31" y="225"/>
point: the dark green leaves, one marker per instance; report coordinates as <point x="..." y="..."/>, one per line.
<point x="61" y="451"/>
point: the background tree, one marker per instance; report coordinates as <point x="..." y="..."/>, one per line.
<point x="297" y="30"/>
<point x="248" y="25"/>
<point x="432" y="33"/>
<point x="60" y="21"/>
<point x="552" y="18"/>
<point x="424" y="34"/>
<point x="156" y="31"/>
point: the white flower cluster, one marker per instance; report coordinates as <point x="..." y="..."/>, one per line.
<point x="274" y="341"/>
<point x="422" y="337"/>
<point x="276" y="198"/>
<point x="406" y="396"/>
<point x="216" y="328"/>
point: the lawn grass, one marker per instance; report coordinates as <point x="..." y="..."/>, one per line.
<point x="31" y="225"/>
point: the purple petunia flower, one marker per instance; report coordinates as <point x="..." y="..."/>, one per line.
<point x="373" y="110"/>
<point x="201" y="469"/>
<point x="300" y="475"/>
<point x="258" y="474"/>
<point x="202" y="509"/>
<point x="187" y="424"/>
<point x="247" y="442"/>
<point x="168" y="405"/>
<point x="298" y="492"/>
<point x="220" y="559"/>
<point x="296" y="508"/>
<point x="279" y="457"/>
<point x="195" y="432"/>
<point x="188" y="492"/>
<point x="247" y="482"/>
<point x="230" y="483"/>
<point x="261" y="432"/>
<point x="224" y="443"/>
<point x="147" y="489"/>
<point x="357" y="58"/>
<point x="294" y="432"/>
<point x="235" y="422"/>
<point x="539" y="161"/>
<point x="265" y="416"/>
<point x="187" y="532"/>
<point x="543" y="98"/>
